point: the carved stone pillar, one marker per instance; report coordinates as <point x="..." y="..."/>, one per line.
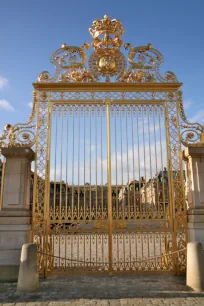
<point x="15" y="215"/>
<point x="194" y="158"/>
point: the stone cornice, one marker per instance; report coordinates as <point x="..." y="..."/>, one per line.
<point x="108" y="87"/>
<point x="18" y="152"/>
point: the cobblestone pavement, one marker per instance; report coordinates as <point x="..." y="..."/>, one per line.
<point x="104" y="291"/>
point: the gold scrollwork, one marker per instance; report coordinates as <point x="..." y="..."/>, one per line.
<point x="107" y="61"/>
<point x="192" y="134"/>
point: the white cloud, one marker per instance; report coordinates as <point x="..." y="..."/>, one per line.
<point x="198" y="117"/>
<point x="187" y="103"/>
<point x="3" y="82"/>
<point x="30" y="104"/>
<point x="5" y="105"/>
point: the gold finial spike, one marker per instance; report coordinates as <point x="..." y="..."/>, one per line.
<point x="7" y="127"/>
<point x="63" y="45"/>
<point x="149" y="46"/>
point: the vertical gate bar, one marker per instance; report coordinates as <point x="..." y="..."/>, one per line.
<point x="117" y="250"/>
<point x="182" y="201"/>
<point x="121" y="152"/>
<point x="84" y="236"/>
<point x="150" y="156"/>
<point x="77" y="263"/>
<point x="162" y="166"/>
<point x="62" y="130"/>
<point x="84" y="164"/>
<point x="2" y="181"/>
<point x="145" y="170"/>
<point x="133" y="165"/>
<point x="170" y="184"/>
<point x="90" y="241"/>
<point x="155" y="151"/>
<point x="47" y="185"/>
<point x="116" y="165"/>
<point x="56" y="132"/>
<point x="71" y="249"/>
<point x="127" y="155"/>
<point x="135" y="236"/>
<point x="96" y="234"/>
<point x="102" y="252"/>
<point x="53" y="241"/>
<point x="101" y="162"/>
<point x="149" y="262"/>
<point x="67" y="147"/>
<point x="65" y="241"/>
<point x="73" y="113"/>
<point x="60" y="238"/>
<point x="160" y="244"/>
<point x="171" y="196"/>
<point x="110" y="230"/>
<point x="35" y="186"/>
<point x="139" y="174"/>
<point x="181" y="161"/>
<point x="155" y="253"/>
<point x="96" y="198"/>
<point x="130" y="249"/>
<point x="123" y="248"/>
<point x="78" y="208"/>
<point x="90" y="203"/>
<point x="142" y="243"/>
<point x="60" y="186"/>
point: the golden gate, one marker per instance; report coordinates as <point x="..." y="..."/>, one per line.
<point x="108" y="177"/>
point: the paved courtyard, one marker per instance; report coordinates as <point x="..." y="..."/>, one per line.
<point x="104" y="290"/>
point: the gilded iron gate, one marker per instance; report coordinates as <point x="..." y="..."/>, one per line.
<point x="108" y="177"/>
<point x="111" y="186"/>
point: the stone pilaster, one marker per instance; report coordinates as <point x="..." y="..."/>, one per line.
<point x="15" y="215"/>
<point x="194" y="158"/>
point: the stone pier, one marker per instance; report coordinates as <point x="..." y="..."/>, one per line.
<point x="194" y="158"/>
<point x="15" y="215"/>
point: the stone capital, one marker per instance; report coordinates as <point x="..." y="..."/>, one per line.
<point x="193" y="152"/>
<point x="21" y="152"/>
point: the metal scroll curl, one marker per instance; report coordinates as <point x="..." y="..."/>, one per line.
<point x="144" y="64"/>
<point x="69" y="62"/>
<point x="25" y="137"/>
<point x="192" y="134"/>
<point x="20" y="134"/>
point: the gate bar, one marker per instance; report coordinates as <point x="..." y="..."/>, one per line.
<point x="110" y="230"/>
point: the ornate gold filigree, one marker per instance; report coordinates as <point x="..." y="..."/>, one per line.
<point x="107" y="61"/>
<point x="137" y="77"/>
<point x="20" y="134"/>
<point x="67" y="60"/>
<point x="144" y="65"/>
<point x="77" y="76"/>
<point x="106" y="28"/>
<point x="144" y="60"/>
<point x="192" y="134"/>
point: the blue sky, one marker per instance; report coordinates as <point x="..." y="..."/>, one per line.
<point x="30" y="31"/>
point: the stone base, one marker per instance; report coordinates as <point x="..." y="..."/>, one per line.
<point x="195" y="268"/>
<point x="15" y="230"/>
<point x="28" y="278"/>
<point x="196" y="225"/>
